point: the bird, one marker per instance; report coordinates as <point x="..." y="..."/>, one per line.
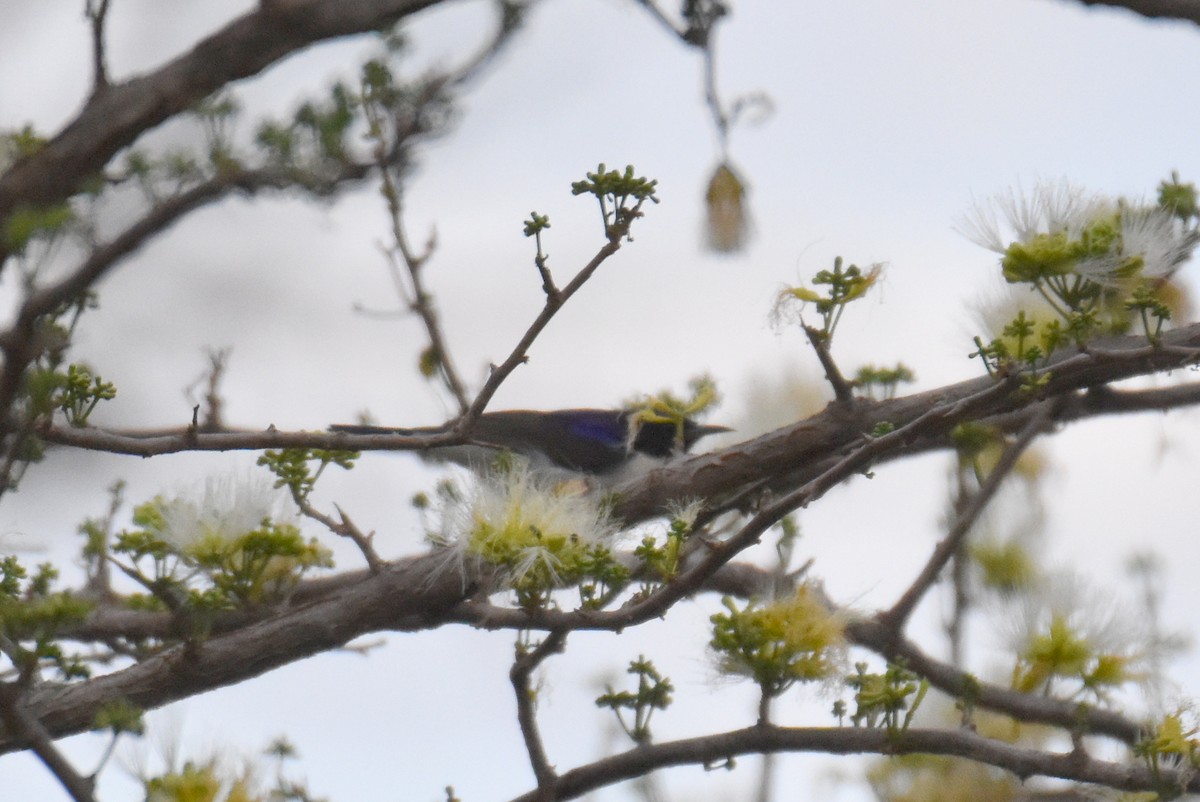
<point x="612" y="444"/>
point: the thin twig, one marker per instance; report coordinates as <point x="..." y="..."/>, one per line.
<point x="820" y="343"/>
<point x="191" y="440"/>
<point x="418" y="298"/>
<point x="213" y="403"/>
<point x="553" y="304"/>
<point x="961" y="603"/>
<point x="21" y="343"/>
<point x="365" y="542"/>
<point x="711" y="98"/>
<point x="96" y="12"/>
<point x="182" y="439"/>
<point x="898" y="615"/>
<point x="390" y="161"/>
<point x="660" y="16"/>
<point x="108" y="753"/>
<point x="520" y="673"/>
<point x="344" y="528"/>
<point x="99" y="580"/>
<point x="718" y="749"/>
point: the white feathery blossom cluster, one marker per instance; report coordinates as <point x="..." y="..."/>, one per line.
<point x="533" y="529"/>
<point x="1059" y="229"/>
<point x="1068" y="631"/>
<point x="224" y="510"/>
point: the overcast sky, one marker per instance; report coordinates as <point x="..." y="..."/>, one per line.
<point x="890" y="119"/>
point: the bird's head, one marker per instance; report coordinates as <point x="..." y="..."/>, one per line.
<point x="665" y="438"/>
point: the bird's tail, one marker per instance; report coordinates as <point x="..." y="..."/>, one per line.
<point x="360" y="428"/>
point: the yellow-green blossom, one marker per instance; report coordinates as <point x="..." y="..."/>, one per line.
<point x="795" y="639"/>
<point x="233" y="542"/>
<point x="1058" y="231"/>
<point x="1068" y="635"/>
<point x="539" y="535"/>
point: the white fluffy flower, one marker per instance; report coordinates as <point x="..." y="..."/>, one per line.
<point x="1068" y="598"/>
<point x="225" y="509"/>
<point x="1158" y="237"/>
<point x="1058" y="230"/>
<point x="1068" y="632"/>
<point x="525" y="524"/>
<point x="1051" y="208"/>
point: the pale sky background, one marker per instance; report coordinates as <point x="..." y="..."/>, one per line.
<point x="890" y="119"/>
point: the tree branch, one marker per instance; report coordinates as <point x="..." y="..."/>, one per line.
<point x="26" y="727"/>
<point x="408" y="595"/>
<point x="419" y="300"/>
<point x="20" y="342"/>
<point x="97" y="11"/>
<point x="959" y="684"/>
<point x="422" y="592"/>
<point x="113" y="119"/>
<point x="785" y="458"/>
<point x="522" y="670"/>
<point x="554" y="302"/>
<point x="842" y="390"/>
<point x="898" y="615"/>
<point x="189" y="439"/>
<point x="406" y="128"/>
<point x="747" y="580"/>
<point x="716" y="750"/>
<point x="1188" y="10"/>
<point x="781" y="460"/>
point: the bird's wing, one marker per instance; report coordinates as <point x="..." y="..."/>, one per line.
<point x="587" y="440"/>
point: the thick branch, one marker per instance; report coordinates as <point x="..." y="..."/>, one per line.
<point x="811" y="439"/>
<point x="423" y="593"/>
<point x="407" y="596"/>
<point x="781" y="460"/>
<point x="787" y="457"/>
<point x="736" y="579"/>
<point x="816" y="454"/>
<point x="114" y="118"/>
<point x="1188" y="10"/>
<point x="870" y="634"/>
<point x="109" y="621"/>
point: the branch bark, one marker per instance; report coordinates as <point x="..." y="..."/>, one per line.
<point x="409" y="595"/>
<point x="717" y="750"/>
<point x="1184" y="10"/>
<point x="114" y="118"/>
